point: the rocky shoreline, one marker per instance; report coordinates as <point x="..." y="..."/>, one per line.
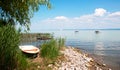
<point x="74" y="59"/>
<point x="69" y="59"/>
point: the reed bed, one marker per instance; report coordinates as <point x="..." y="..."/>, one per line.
<point x="10" y="56"/>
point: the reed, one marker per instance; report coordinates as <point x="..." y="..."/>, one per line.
<point x="50" y="49"/>
<point x="61" y="42"/>
<point x="10" y="58"/>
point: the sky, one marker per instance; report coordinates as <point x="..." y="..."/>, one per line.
<point x="77" y="14"/>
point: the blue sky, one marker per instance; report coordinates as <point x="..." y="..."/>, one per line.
<point x="77" y="14"/>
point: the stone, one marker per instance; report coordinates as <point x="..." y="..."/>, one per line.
<point x="75" y="61"/>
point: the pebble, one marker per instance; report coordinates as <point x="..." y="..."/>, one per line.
<point x="38" y="67"/>
<point x="75" y="61"/>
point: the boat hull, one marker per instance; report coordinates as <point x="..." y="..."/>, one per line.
<point x="29" y="50"/>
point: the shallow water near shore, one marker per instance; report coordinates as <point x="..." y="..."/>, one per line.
<point x="105" y="44"/>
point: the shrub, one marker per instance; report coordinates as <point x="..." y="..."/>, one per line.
<point x="10" y="58"/>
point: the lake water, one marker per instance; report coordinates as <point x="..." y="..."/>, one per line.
<point x="106" y="43"/>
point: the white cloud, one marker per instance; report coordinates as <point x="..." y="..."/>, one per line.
<point x="57" y="19"/>
<point x="106" y="20"/>
<point x="100" y="12"/>
<point x="61" y="18"/>
<point x="115" y="14"/>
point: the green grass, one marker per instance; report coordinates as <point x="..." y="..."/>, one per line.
<point x="49" y="55"/>
<point x="61" y="42"/>
<point x="50" y="49"/>
<point x="10" y="58"/>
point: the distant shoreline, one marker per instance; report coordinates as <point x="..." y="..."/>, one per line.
<point x="91" y="29"/>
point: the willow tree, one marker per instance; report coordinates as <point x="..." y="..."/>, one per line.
<point x="14" y="12"/>
<point x="19" y="11"/>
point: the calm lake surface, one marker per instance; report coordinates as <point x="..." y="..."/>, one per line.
<point x="106" y="43"/>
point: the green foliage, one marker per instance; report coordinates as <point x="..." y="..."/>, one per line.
<point x="51" y="48"/>
<point x="10" y="58"/>
<point x="20" y="11"/>
<point x="61" y="42"/>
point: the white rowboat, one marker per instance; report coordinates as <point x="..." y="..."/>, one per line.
<point x="29" y="49"/>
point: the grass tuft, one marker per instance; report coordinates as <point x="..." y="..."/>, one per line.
<point x="50" y="49"/>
